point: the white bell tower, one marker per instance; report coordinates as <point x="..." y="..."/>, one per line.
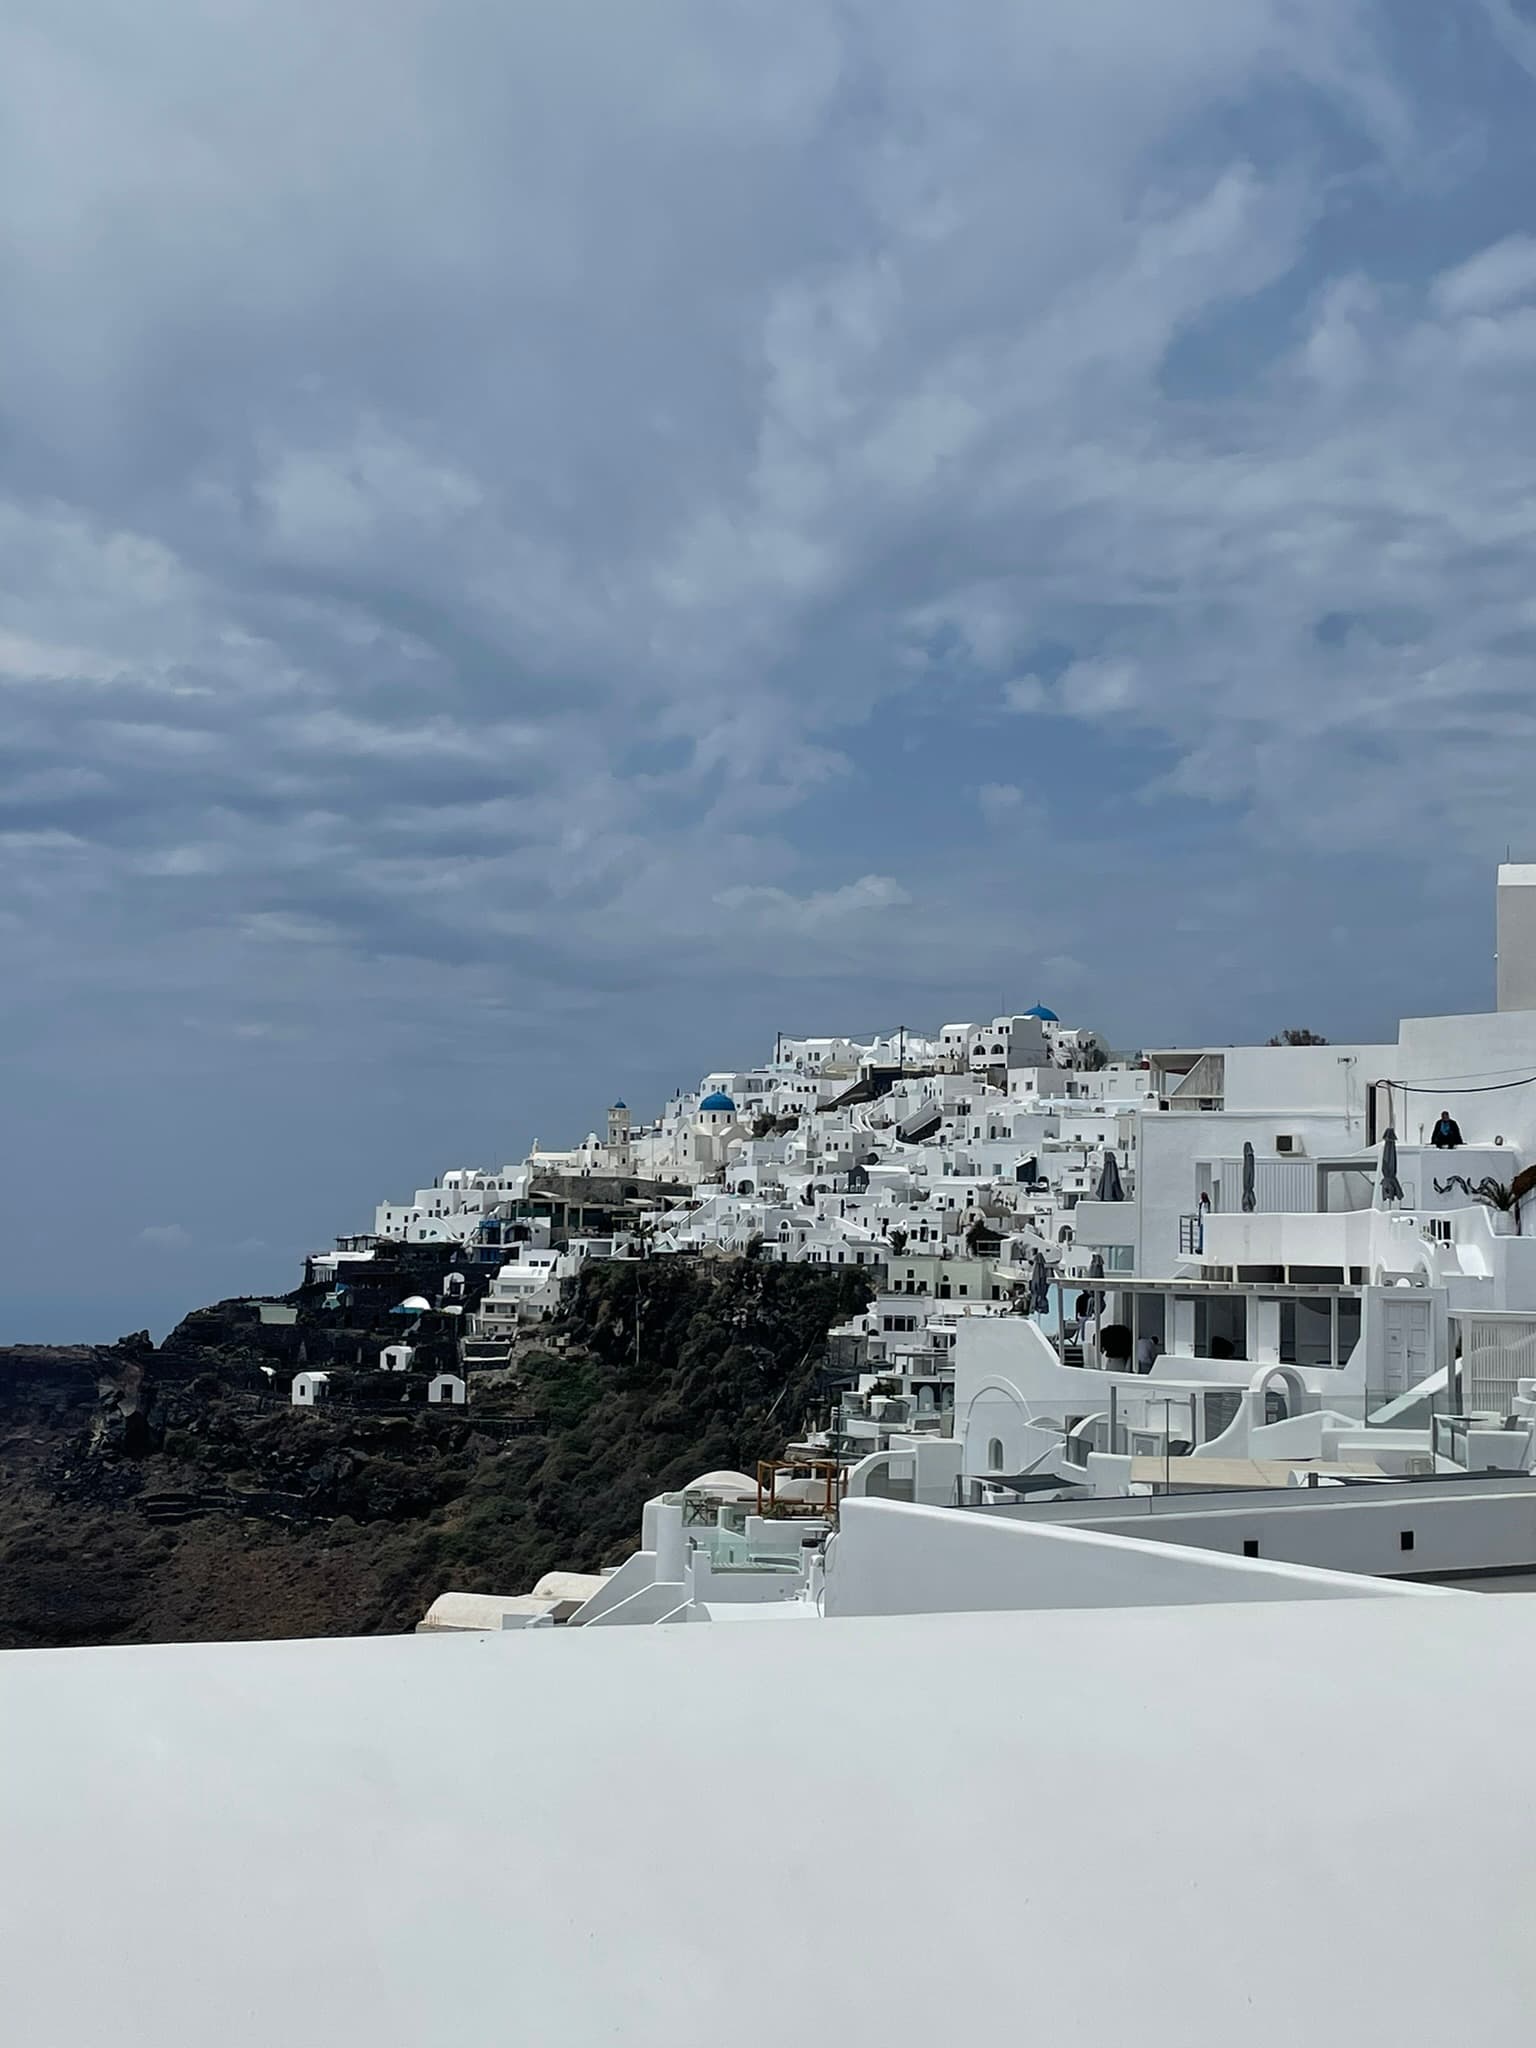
<point x="619" y="1157"/>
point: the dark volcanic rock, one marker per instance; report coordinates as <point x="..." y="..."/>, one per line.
<point x="174" y="1495"/>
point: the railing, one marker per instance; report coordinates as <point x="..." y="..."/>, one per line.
<point x="1191" y="1236"/>
<point x="1177" y="1500"/>
<point x="1497" y="1351"/>
<point x="1448" y="1436"/>
<point x="922" y="1364"/>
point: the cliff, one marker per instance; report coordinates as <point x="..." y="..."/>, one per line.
<point x="172" y="1494"/>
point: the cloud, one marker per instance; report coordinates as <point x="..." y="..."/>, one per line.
<point x="1493" y="278"/>
<point x="1024" y="693"/>
<point x="1094" y="689"/>
<point x="999" y="799"/>
<point x="1064" y="970"/>
<point x="557" y="543"/>
<point x="778" y="909"/>
<point x="281" y="928"/>
<point x="166" y="1237"/>
<point x="1007" y="804"/>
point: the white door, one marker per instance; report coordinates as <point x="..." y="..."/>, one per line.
<point x="1409" y="1345"/>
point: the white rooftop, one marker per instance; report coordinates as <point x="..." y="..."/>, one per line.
<point x="1204" y="1825"/>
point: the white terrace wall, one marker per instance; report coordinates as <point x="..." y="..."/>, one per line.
<point x="1477" y="1527"/>
<point x="888" y="1558"/>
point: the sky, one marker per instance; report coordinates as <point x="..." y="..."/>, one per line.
<point x="540" y="546"/>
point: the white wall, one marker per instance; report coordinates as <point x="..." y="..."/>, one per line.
<point x="929" y="1465"/>
<point x="1316" y="1080"/>
<point x="1169" y="1144"/>
<point x="887" y="1558"/>
<point x="1462" y="1051"/>
<point x="1177" y="1828"/>
<point x="1342" y="1529"/>
<point x="1517" y="938"/>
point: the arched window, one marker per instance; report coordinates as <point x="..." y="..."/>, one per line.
<point x="995" y="1455"/>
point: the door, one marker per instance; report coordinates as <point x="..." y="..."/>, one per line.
<point x="1409" y="1350"/>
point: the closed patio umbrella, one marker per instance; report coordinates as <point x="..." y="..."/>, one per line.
<point x="1111" y="1188"/>
<point x="1096" y="1272"/>
<point x="1250" y="1168"/>
<point x="1391" y="1186"/>
<point x="1039" y="1286"/>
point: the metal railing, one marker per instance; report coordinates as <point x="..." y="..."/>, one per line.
<point x="1496" y="1351"/>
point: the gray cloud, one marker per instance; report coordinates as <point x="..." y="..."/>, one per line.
<point x="523" y="533"/>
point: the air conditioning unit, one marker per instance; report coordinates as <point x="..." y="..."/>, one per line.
<point x="1290" y="1145"/>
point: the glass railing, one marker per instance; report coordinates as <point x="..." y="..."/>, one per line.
<point x="728" y="1552"/>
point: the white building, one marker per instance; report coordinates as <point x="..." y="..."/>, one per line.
<point x="1517" y="938"/>
<point x="524" y="1290"/>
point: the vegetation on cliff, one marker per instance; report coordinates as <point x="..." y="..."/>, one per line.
<point x="172" y="1495"/>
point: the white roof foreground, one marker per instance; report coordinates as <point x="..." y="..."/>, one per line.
<point x="1202" y="1825"/>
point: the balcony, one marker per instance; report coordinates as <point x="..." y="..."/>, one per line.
<point x="1284" y="1187"/>
<point x="1104" y="1226"/>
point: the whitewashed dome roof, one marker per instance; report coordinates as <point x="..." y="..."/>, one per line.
<point x="721" y="1482"/>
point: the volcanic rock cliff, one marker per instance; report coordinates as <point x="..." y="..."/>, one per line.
<point x="171" y="1493"/>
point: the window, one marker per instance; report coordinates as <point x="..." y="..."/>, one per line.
<point x="1250" y="1546"/>
<point x="1405" y="1539"/>
<point x="1348" y="1313"/>
<point x="1221" y="1409"/>
<point x="1221" y="1320"/>
<point x="995" y="1455"/>
<point x="1319" y="1332"/>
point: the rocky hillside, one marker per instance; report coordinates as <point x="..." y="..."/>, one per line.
<point x="171" y="1494"/>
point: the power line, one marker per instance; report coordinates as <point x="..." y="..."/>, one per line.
<point x="1441" y="1088"/>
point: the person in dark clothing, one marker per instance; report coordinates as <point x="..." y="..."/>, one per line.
<point x="1447" y="1133"/>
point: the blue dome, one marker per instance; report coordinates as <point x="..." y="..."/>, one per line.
<point x="1045" y="1016"/>
<point x="621" y="1104"/>
<point x="719" y="1100"/>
